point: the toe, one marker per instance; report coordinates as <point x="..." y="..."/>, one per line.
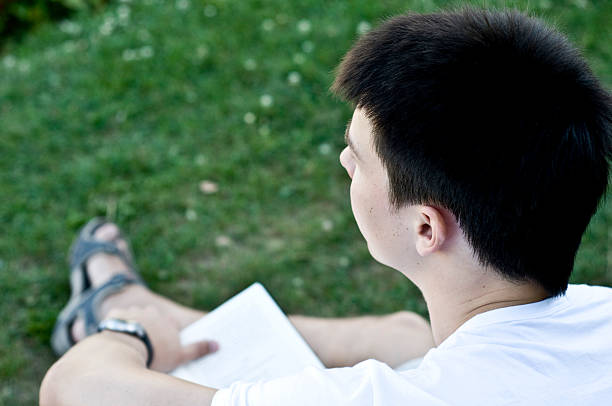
<point x="110" y="232"/>
<point x="107" y="232"/>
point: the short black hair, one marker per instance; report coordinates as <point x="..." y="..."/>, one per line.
<point x="495" y="116"/>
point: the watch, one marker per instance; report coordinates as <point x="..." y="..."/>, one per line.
<point x="131" y="328"/>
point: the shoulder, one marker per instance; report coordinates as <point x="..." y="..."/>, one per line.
<point x="590" y="300"/>
<point x="588" y="292"/>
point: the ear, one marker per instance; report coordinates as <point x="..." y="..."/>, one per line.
<point x="431" y="230"/>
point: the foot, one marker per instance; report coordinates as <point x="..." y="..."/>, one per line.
<point x="101" y="268"/>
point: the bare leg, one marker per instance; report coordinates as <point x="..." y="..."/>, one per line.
<point x="394" y="338"/>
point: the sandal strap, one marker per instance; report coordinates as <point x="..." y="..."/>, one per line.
<point x="87" y="306"/>
<point x="84" y="249"/>
<point x="86" y="246"/>
<point x="91" y="305"/>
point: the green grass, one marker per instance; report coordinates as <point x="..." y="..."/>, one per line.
<point x="128" y="124"/>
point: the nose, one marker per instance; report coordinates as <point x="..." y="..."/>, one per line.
<point x="345" y="161"/>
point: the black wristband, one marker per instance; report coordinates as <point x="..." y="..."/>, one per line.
<point x="132" y="328"/>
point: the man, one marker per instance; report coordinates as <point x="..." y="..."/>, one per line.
<point x="479" y="150"/>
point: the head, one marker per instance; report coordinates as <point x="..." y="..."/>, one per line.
<point x="491" y="120"/>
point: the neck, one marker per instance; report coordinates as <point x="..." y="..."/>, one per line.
<point x="453" y="303"/>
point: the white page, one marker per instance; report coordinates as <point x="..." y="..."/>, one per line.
<point x="257" y="341"/>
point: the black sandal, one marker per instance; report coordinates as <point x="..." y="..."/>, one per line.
<point x="84" y="300"/>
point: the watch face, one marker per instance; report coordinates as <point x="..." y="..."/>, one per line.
<point x="123" y="326"/>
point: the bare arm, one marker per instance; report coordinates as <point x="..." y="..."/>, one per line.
<point x="109" y="369"/>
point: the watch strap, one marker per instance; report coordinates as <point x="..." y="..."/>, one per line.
<point x="132" y="328"/>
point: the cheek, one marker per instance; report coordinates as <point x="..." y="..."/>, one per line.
<point x="363" y="203"/>
<point x="377" y="225"/>
<point x="370" y="205"/>
<point x="357" y="204"/>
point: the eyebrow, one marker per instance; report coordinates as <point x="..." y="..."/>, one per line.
<point x="349" y="142"/>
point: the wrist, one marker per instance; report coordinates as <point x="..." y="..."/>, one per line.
<point x="129" y="328"/>
<point x="134" y="344"/>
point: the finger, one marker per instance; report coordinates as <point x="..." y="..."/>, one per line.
<point x="197" y="350"/>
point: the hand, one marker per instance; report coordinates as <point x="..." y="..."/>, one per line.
<point x="164" y="333"/>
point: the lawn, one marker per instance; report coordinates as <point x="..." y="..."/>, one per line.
<point x="207" y="131"/>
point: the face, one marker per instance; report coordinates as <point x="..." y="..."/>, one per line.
<point x="384" y="228"/>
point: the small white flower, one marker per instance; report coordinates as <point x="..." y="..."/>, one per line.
<point x="69" y="46"/>
<point x="202" y="52"/>
<point x="106" y="29"/>
<point x="9" y="61"/>
<point x="191" y="96"/>
<point x="299" y="59"/>
<point x="121" y="116"/>
<point x="581" y="3"/>
<point x="268" y="24"/>
<point x="24" y="66"/>
<point x="200" y="160"/>
<point x="107" y="26"/>
<point x="123" y="12"/>
<point x="327" y="225"/>
<point x="191" y="215"/>
<point x="250" y="64"/>
<point x="210" y="11"/>
<point x="223" y="241"/>
<point x="304" y="26"/>
<point x="363" y="27"/>
<point x="249" y="118"/>
<point x="266" y="100"/>
<point x="207" y="187"/>
<point x="325" y="149"/>
<point x="129" y="55"/>
<point x="264" y="131"/>
<point x="294" y="78"/>
<point x="146" y="52"/>
<point x="275" y="244"/>
<point x="285" y="191"/>
<point x="182" y="4"/>
<point x="136" y="54"/>
<point x="307" y="46"/>
<point x="344" y="262"/>
<point x="70" y="27"/>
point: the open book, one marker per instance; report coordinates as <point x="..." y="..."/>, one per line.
<point x="256" y="341"/>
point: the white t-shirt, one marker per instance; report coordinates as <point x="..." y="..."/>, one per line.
<point x="554" y="352"/>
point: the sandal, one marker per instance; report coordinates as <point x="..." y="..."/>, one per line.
<point x="84" y="300"/>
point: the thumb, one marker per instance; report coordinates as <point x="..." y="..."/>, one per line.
<point x="197" y="350"/>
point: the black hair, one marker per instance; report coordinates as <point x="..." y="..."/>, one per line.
<point x="495" y="116"/>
